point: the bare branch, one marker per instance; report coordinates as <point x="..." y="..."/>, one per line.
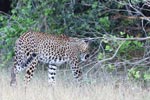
<point x="107" y="59"/>
<point x="120" y="39"/>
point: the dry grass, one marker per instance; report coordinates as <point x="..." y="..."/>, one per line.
<point x="39" y="90"/>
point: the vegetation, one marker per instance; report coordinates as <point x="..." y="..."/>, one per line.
<point x="119" y="28"/>
<point x="39" y="90"/>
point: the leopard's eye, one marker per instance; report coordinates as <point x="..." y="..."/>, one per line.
<point x="86" y="40"/>
<point x="87" y="56"/>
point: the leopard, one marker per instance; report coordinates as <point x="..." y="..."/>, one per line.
<point x="54" y="50"/>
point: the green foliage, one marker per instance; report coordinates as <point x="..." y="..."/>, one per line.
<point x="94" y="5"/>
<point x="129" y="47"/>
<point x="139" y="73"/>
<point x="100" y="56"/>
<point x="110" y="68"/>
<point x="105" y="22"/>
<point x="127" y="51"/>
<point x="108" y="48"/>
<point x="12" y="26"/>
<point x="134" y="73"/>
<point x="146" y="76"/>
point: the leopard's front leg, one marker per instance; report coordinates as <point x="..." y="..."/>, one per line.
<point x="52" y="74"/>
<point x="76" y="70"/>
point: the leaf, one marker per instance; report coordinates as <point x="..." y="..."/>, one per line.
<point x="137" y="74"/>
<point x="111" y="67"/>
<point x="147" y="76"/>
<point x="13" y="11"/>
<point x="100" y="56"/>
<point x="105" y="40"/>
<point x="1" y="18"/>
<point x="94" y="5"/>
<point x="109" y="48"/>
<point x="122" y="33"/>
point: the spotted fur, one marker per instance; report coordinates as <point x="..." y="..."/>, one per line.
<point x="33" y="47"/>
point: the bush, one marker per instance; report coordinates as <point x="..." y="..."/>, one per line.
<point x="92" y="18"/>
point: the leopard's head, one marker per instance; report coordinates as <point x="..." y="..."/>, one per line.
<point x="84" y="45"/>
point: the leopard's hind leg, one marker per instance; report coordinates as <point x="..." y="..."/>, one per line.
<point x="30" y="71"/>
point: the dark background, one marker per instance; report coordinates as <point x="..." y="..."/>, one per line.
<point x="5" y="6"/>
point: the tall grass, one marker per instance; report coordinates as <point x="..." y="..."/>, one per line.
<point x="38" y="89"/>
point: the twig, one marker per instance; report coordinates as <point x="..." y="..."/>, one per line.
<point x="107" y="59"/>
<point x="129" y="17"/>
<point x="132" y="39"/>
<point x="120" y="39"/>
